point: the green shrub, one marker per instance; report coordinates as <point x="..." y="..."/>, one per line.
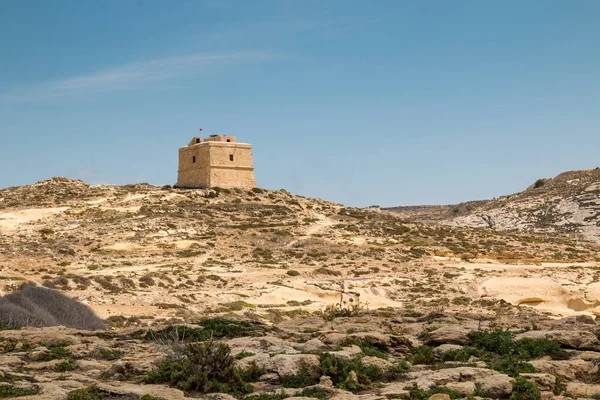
<point x="368" y="347"/>
<point x="315" y="392"/>
<point x="415" y="393"/>
<point x="102" y="353"/>
<point x="339" y="370"/>
<point x="10" y="391"/>
<point x="423" y="355"/>
<point x="293" y="273"/>
<point x="510" y="366"/>
<point x="57" y="351"/>
<point x="67" y="365"/>
<point x="216" y="328"/>
<point x="460" y="355"/>
<point x="525" y="390"/>
<point x="501" y="342"/>
<point x="204" y="367"/>
<point x="300" y="380"/>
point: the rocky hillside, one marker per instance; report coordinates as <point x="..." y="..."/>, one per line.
<point x="568" y="204"/>
<point x="266" y="295"/>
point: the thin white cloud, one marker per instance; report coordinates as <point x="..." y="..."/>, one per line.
<point x="133" y="75"/>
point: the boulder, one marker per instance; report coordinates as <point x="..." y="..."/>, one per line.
<point x="583" y="340"/>
<point x="568" y="369"/>
<point x="543" y="381"/>
<point x="395" y="390"/>
<point x="292" y="364"/>
<point x="311" y="345"/>
<point x="580" y="389"/>
<point x="440" y="396"/>
<point x="443" y="348"/>
<point x="467" y="388"/>
<point x="263" y="344"/>
<point x="376" y="361"/>
<point x="452" y="334"/>
<point x="347" y="353"/>
<point x="497" y="386"/>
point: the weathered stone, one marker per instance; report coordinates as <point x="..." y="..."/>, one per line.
<point x="439" y="396"/>
<point x="376" y="361"/>
<point x="292" y="364"/>
<point x="497" y="386"/>
<point x="584" y="340"/>
<point x="462" y="387"/>
<point x="543" y="381"/>
<point x="568" y="369"/>
<point x="453" y="334"/>
<point x="443" y="348"/>
<point x="311" y="345"/>
<point x="347" y="353"/>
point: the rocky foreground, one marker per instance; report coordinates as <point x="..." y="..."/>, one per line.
<point x="339" y="354"/>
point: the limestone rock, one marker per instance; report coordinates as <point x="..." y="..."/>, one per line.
<point x="292" y="364"/>
<point x="543" y="381"/>
<point x="453" y="334"/>
<point x="497" y="386"/>
<point x="376" y="361"/>
<point x="583" y="389"/>
<point x="443" y="348"/>
<point x="439" y="396"/>
<point x="463" y="387"/>
<point x="311" y="345"/>
<point x="347" y="353"/>
<point x="395" y="389"/>
<point x="584" y="340"/>
<point x="569" y="369"/>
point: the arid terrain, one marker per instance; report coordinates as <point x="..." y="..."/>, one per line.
<point x="568" y="204"/>
<point x="312" y="298"/>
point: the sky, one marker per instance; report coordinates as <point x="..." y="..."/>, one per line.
<point x="371" y="102"/>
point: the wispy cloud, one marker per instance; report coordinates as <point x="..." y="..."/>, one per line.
<point x="133" y="75"/>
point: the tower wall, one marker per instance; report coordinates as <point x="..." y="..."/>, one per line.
<point x="217" y="164"/>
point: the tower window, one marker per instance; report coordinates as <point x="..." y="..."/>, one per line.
<point x="229" y="140"/>
<point x="231" y="157"/>
<point x="193" y="159"/>
<point x="197" y="140"/>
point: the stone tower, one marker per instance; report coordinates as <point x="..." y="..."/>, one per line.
<point x="217" y="161"/>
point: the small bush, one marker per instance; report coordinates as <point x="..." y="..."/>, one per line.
<point x="423" y="355"/>
<point x="10" y="391"/>
<point x="216" y="328"/>
<point x="368" y="347"/>
<point x="525" y="390"/>
<point x="501" y="342"/>
<point x="102" y="353"/>
<point x="419" y="394"/>
<point x="339" y="370"/>
<point x="94" y="393"/>
<point x="67" y="365"/>
<point x="460" y="355"/>
<point x="202" y="367"/>
<point x="293" y="273"/>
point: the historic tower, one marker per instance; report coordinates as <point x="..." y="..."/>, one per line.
<point x="217" y="161"/>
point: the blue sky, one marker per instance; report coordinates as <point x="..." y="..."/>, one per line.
<point x="361" y="102"/>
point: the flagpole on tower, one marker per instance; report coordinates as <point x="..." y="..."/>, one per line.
<point x="200" y="135"/>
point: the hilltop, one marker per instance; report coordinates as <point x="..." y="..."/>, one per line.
<point x="568" y="204"/>
<point x="159" y="252"/>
